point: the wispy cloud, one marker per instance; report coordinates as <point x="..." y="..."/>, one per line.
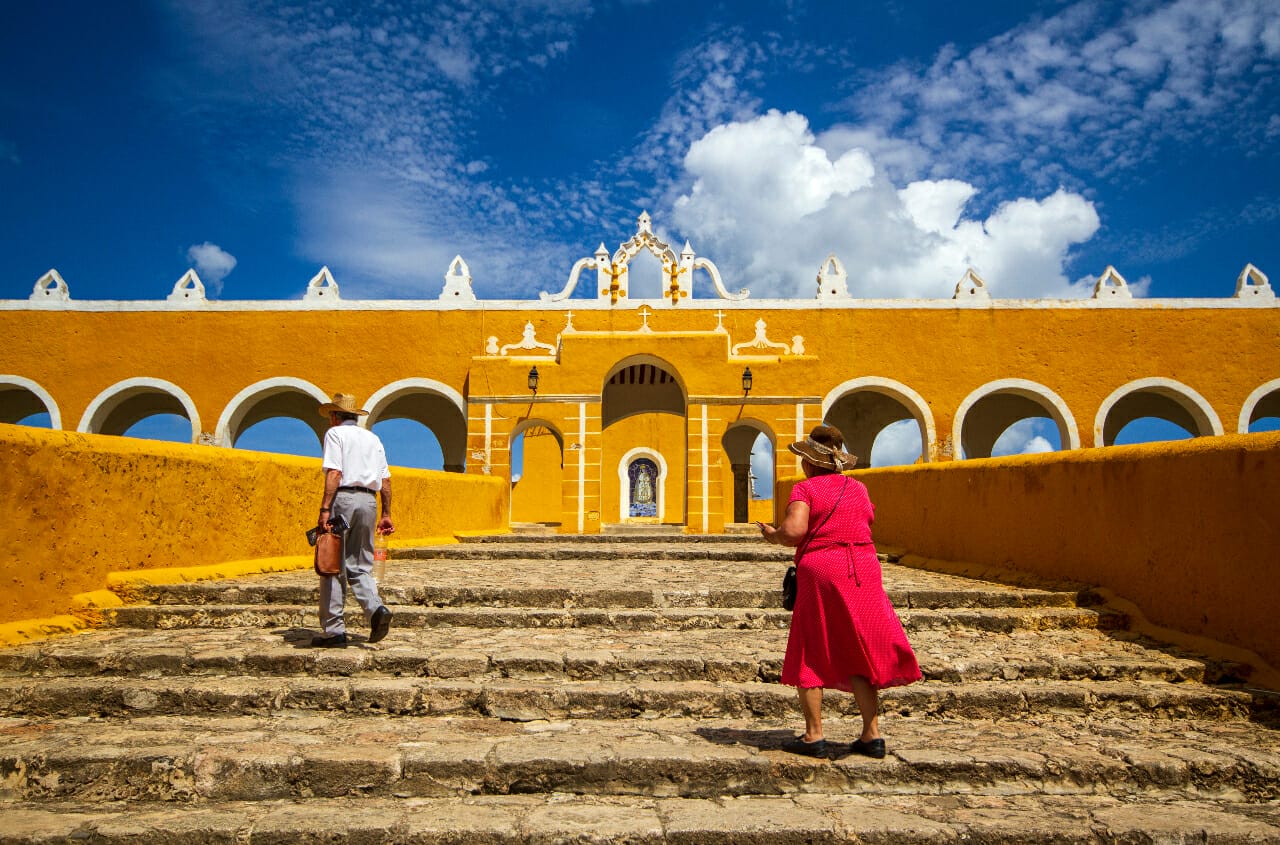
<point x="212" y="263"/>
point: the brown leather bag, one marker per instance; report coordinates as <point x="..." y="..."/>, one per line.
<point x="328" y="554"/>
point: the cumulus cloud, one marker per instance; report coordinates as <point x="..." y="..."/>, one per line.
<point x="212" y="263"/>
<point x="769" y="203"/>
<point x="897" y="444"/>
<point x="1026" y="437"/>
<point x="762" y="467"/>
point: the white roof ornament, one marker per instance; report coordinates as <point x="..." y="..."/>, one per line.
<point x="528" y="342"/>
<point x="972" y="287"/>
<point x="833" y="281"/>
<point x="457" y="282"/>
<point x="714" y="273"/>
<point x="322" y="286"/>
<point x="50" y="288"/>
<point x="1111" y="285"/>
<point x="761" y="343"/>
<point x="188" y="289"/>
<point x="1252" y="283"/>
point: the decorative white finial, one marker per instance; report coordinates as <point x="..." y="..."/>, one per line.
<point x="1112" y="284"/>
<point x="833" y="281"/>
<point x="971" y="286"/>
<point x="1252" y="283"/>
<point x="188" y="289"/>
<point x="457" y="282"/>
<point x="50" y="288"/>
<point x="322" y="286"/>
<point x="644" y="222"/>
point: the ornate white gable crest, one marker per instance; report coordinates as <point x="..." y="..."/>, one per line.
<point x="457" y="282"/>
<point x="971" y="286"/>
<point x="322" y="286"/>
<point x="1111" y="285"/>
<point x="611" y="270"/>
<point x="50" y="288"/>
<point x="833" y="281"/>
<point x="188" y="289"/>
<point x="1252" y="283"/>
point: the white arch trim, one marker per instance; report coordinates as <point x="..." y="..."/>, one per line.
<point x="388" y="394"/>
<point x="914" y="402"/>
<point x="234" y="411"/>
<point x="106" y="401"/>
<point x="1191" y="401"/>
<point x="1252" y="402"/>
<point x="624" y="483"/>
<point x="55" y="415"/>
<point x="1058" y="409"/>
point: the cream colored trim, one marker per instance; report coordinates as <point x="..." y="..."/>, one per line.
<point x="706" y="474"/>
<point x="1038" y="393"/>
<point x="55" y="416"/>
<point x="108" y="400"/>
<point x="624" y="482"/>
<point x="913" y="401"/>
<point x="582" y="467"/>
<point x="1191" y="401"/>
<point x="1246" y="412"/>
<point x="393" y="391"/>
<point x="233" y="413"/>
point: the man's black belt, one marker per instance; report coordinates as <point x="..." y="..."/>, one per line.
<point x="351" y="489"/>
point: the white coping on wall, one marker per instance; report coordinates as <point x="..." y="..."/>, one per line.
<point x="914" y="401"/>
<point x="1057" y="409"/>
<point x="658" y="306"/>
<point x="55" y="415"/>
<point x="659" y="484"/>
<point x="234" y="412"/>
<point x="1191" y="401"/>
<point x="1246" y="413"/>
<point x="108" y="400"/>
<point x="388" y="394"/>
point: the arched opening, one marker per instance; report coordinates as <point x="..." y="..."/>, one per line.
<point x="1261" y="411"/>
<point x="749" y="449"/>
<point x="409" y="443"/>
<point x="1163" y="410"/>
<point x="884" y="423"/>
<point x="292" y="406"/>
<point x="644" y="276"/>
<point x="643" y="415"/>
<point x="537" y="473"/>
<point x="430" y="404"/>
<point x="143" y="407"/>
<point x="1013" y="416"/>
<point x="23" y="402"/>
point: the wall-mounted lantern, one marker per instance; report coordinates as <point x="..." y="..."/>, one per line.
<point x="533" y="379"/>
<point x="746" y="381"/>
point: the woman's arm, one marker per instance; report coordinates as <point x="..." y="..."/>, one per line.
<point x="795" y="524"/>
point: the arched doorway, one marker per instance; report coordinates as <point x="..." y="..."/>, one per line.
<point x="294" y="401"/>
<point x="749" y="447"/>
<point x="1261" y="411"/>
<point x="880" y="417"/>
<point x="1013" y="416"/>
<point x="163" y="409"/>
<point x="537" y="473"/>
<point x="643" y="419"/>
<point x="23" y="402"/>
<point x="434" y="405"/>
<point x="1158" y="399"/>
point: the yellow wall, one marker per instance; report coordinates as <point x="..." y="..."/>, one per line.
<point x="1186" y="530"/>
<point x="661" y="433"/>
<point x="536" y="498"/>
<point x="78" y="507"/>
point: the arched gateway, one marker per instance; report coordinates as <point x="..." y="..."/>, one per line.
<point x="627" y="409"/>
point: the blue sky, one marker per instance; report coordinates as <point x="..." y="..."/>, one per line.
<point x="257" y="141"/>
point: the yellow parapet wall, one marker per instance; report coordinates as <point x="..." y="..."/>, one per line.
<point x="1186" y="531"/>
<point x="77" y="507"/>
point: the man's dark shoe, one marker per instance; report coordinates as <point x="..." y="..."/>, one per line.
<point x="871" y="748"/>
<point x="331" y="641"/>
<point x="797" y="745"/>
<point x="381" y="624"/>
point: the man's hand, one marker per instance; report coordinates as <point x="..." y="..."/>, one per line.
<point x="385" y="526"/>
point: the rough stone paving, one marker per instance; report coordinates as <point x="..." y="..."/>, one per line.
<point x="617" y="689"/>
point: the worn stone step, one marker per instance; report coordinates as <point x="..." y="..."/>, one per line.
<point x="290" y="756"/>
<point x="619" y="551"/>
<point x="582" y="654"/>
<point x="530" y="699"/>
<point x="650" y="537"/>
<point x="800" y="819"/>
<point x="656" y="619"/>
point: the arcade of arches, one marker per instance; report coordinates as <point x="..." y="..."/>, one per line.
<point x="640" y="411"/>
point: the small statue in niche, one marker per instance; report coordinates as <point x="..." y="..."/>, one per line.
<point x="644" y="487"/>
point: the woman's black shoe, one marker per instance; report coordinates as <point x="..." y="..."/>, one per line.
<point x="797" y="745"/>
<point x="870" y="748"/>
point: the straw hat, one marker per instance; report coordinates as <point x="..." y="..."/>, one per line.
<point x="343" y="403"/>
<point x="825" y="448"/>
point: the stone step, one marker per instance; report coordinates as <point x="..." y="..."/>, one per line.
<point x="417" y="588"/>
<point x="247" y="758"/>
<point x="525" y="700"/>
<point x="642" y="535"/>
<point x="778" y="820"/>
<point x="621" y="551"/>
<point x="581" y="654"/>
<point x="651" y="619"/>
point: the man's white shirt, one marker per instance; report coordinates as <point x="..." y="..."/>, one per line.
<point x="357" y="453"/>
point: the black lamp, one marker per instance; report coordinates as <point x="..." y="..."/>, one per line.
<point x="533" y="379"/>
<point x="746" y="381"/>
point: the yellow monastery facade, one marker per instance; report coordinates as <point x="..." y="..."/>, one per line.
<point x="647" y="410"/>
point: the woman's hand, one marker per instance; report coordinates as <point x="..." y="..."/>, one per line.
<point x="767" y="531"/>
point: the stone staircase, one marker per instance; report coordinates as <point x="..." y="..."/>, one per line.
<point x="619" y="688"/>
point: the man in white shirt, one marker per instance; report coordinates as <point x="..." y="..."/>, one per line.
<point x="355" y="477"/>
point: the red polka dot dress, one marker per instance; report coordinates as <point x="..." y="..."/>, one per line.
<point x="843" y="624"/>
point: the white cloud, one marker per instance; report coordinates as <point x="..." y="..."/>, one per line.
<point x="897" y="444"/>
<point x="762" y="467"/>
<point x="1025" y="438"/>
<point x="212" y="263"/>
<point x="769" y="204"/>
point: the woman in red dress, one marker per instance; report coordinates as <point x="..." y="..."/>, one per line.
<point x="844" y="631"/>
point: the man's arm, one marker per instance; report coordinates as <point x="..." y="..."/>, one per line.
<point x="384" y="524"/>
<point x="332" y="481"/>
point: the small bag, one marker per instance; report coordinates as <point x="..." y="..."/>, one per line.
<point x="789" y="589"/>
<point x="328" y="560"/>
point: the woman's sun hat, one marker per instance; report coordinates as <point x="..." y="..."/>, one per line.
<point x="825" y="448"/>
<point x="343" y="403"/>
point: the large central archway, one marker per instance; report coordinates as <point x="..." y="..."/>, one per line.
<point x="644" y="432"/>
